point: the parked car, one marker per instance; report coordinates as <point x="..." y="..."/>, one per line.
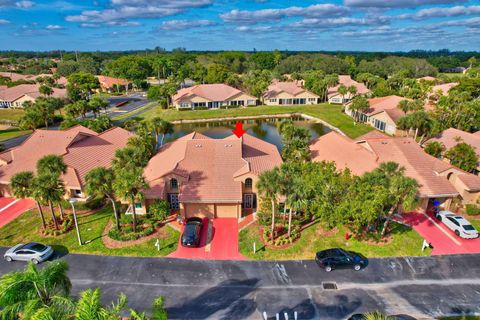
<point x="457" y="224"/>
<point x="191" y="233"/>
<point x="33" y="251"/>
<point x="338" y="258"/>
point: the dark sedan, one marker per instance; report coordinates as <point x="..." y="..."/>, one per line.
<point x="338" y="258"/>
<point x="191" y="233"/>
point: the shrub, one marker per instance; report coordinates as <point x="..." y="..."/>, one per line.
<point x="229" y="107"/>
<point x="472" y="209"/>
<point x="93" y="204"/>
<point x="127" y="234"/>
<point x="201" y="108"/>
<point x="63" y="227"/>
<point x="160" y="209"/>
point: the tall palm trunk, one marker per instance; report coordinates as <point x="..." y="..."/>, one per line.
<point x="387" y="221"/>
<point x="61" y="211"/>
<point x="40" y="211"/>
<point x="163" y="138"/>
<point x="115" y="212"/>
<point x="134" y="216"/>
<point x="273" y="219"/>
<point x="289" y="221"/>
<point x="285" y="211"/>
<point x="156" y="139"/>
<point x="50" y="203"/>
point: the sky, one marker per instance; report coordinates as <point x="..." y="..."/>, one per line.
<point x="360" y="25"/>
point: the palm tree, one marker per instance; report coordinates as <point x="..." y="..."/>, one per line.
<point x="352" y="90"/>
<point x="376" y="315"/>
<point x="22" y="185"/>
<point x="296" y="199"/>
<point x="163" y="127"/>
<point x="52" y="165"/>
<point x="89" y="306"/>
<point x="51" y="189"/>
<point x="267" y="186"/>
<point x="99" y="183"/>
<point x="359" y="105"/>
<point x="33" y="292"/>
<point x="128" y="185"/>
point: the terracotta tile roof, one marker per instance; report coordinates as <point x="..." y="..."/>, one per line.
<point x="444" y="88"/>
<point x="449" y="139"/>
<point x="471" y="181"/>
<point x="82" y="150"/>
<point x="31" y="90"/>
<point x="212" y="92"/>
<point x="386" y="104"/>
<point x="334" y="147"/>
<point x="211" y="165"/>
<point x="374" y="134"/>
<point x="13" y="76"/>
<point x="109" y="82"/>
<point x="347" y="81"/>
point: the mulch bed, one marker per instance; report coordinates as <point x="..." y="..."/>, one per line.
<point x="272" y="246"/>
<point x="112" y="244"/>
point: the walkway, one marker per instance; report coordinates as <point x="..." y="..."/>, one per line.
<point x="443" y="240"/>
<point x="11" y="208"/>
<point x="222" y="246"/>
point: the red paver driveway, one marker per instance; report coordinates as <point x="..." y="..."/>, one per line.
<point x="443" y="240"/>
<point x="223" y="245"/>
<point x="11" y="208"/>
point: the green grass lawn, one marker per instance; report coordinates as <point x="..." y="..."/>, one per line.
<point x="11" y="114"/>
<point x="25" y="229"/>
<point x="405" y="242"/>
<point x="330" y="113"/>
<point x="12" y="133"/>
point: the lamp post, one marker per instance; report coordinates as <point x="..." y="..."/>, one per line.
<point x="72" y="202"/>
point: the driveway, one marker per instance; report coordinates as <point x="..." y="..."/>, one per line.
<point x="222" y="245"/>
<point x="443" y="240"/>
<point x="11" y="208"/>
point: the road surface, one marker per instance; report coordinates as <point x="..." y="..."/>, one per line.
<point x="424" y="287"/>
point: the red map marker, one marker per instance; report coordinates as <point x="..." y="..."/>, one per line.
<point x="239" y="129"/>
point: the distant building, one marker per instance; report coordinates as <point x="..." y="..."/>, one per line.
<point x="335" y="97"/>
<point x="15" y="97"/>
<point x="211" y="96"/>
<point x="288" y="93"/>
<point x="110" y="84"/>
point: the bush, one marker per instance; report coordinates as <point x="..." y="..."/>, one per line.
<point x="159" y="210"/>
<point x="283" y="239"/>
<point x="127" y="234"/>
<point x="63" y="227"/>
<point x="229" y="107"/>
<point x="472" y="209"/>
<point x="93" y="204"/>
<point x="201" y="108"/>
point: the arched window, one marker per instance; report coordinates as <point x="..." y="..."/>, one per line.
<point x="173" y="184"/>
<point x="248" y="183"/>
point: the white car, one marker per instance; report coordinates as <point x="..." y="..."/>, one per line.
<point x="457" y="224"/>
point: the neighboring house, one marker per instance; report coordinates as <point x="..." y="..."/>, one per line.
<point x="211" y="96"/>
<point x="288" y="93"/>
<point x="15" y="97"/>
<point x="450" y="138"/>
<point x="81" y="149"/>
<point x="437" y="179"/>
<point x="110" y="84"/>
<point x="30" y="77"/>
<point x="335" y="97"/>
<point x="205" y="177"/>
<point x="383" y="114"/>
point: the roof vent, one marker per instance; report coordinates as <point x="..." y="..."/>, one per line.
<point x="198" y="146"/>
<point x="228" y="146"/>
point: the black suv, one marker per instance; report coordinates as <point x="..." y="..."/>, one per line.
<point x="338" y="258"/>
<point x="191" y="232"/>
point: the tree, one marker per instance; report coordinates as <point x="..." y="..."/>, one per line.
<point x="342" y="90"/>
<point x="217" y="73"/>
<point x="130" y="67"/>
<point x="22" y="185"/>
<point x="434" y="148"/>
<point x="128" y="185"/>
<point x="257" y="81"/>
<point x="359" y="105"/>
<point x="45" y="90"/>
<point x="81" y="85"/>
<point x="89" y="306"/>
<point x="267" y="186"/>
<point x="96" y="104"/>
<point x="33" y="292"/>
<point x="463" y="156"/>
<point x="51" y="164"/>
<point x="50" y="189"/>
<point x="295" y="140"/>
<point x="99" y="184"/>
<point x="162" y="127"/>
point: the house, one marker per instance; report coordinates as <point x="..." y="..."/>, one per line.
<point x="31" y="77"/>
<point x="15" y="97"/>
<point x="288" y="93"/>
<point x="110" y="84"/>
<point x="211" y="96"/>
<point x="451" y="137"/>
<point x="345" y="80"/>
<point x="438" y="180"/>
<point x="214" y="178"/>
<point x="81" y="149"/>
<point x="383" y="113"/>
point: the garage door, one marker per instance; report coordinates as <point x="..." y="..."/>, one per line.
<point x="227" y="210"/>
<point x="201" y="210"/>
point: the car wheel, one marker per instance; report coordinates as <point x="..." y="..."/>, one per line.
<point x="357" y="267"/>
<point x="457" y="233"/>
<point x="439" y="218"/>
<point x="8" y="258"/>
<point x="35" y="261"/>
<point x="328" y="268"/>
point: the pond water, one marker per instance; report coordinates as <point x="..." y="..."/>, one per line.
<point x="265" y="129"/>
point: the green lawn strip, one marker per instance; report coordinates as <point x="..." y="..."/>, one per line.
<point x="12" y="133"/>
<point x="134" y="112"/>
<point x="406" y="242"/>
<point x="25" y="229"/>
<point x="330" y="113"/>
<point x="10" y="114"/>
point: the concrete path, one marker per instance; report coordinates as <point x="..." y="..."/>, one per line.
<point x="11" y="208"/>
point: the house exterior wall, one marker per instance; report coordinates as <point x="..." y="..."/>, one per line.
<point x="274" y="100"/>
<point x="468" y="197"/>
<point x="225" y="210"/>
<point x="390" y="126"/>
<point x="20" y="101"/>
<point x="187" y="103"/>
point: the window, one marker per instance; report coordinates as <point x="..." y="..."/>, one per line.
<point x="248" y="183"/>
<point x="138" y="205"/>
<point x="173" y="184"/>
<point x="77" y="192"/>
<point x="380" y="125"/>
<point x="273" y="100"/>
<point x="312" y="99"/>
<point x="184" y="105"/>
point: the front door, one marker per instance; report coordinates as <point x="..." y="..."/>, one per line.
<point x="173" y="200"/>
<point x="248" y="201"/>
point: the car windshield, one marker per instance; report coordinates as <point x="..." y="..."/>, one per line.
<point x="189" y="231"/>
<point x="36" y="247"/>
<point x="468" y="227"/>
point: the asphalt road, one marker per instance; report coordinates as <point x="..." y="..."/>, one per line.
<point x="422" y="287"/>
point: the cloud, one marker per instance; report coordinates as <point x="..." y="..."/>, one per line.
<point x="340" y="22"/>
<point x="16" y="4"/>
<point x="387" y="4"/>
<point x="185" y="24"/>
<point x="313" y="11"/>
<point x="121" y="10"/>
<point x="54" y="27"/>
<point x="4" y="22"/>
<point x="442" y="12"/>
<point x="472" y="22"/>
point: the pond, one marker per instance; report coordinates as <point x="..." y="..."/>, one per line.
<point x="265" y="129"/>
